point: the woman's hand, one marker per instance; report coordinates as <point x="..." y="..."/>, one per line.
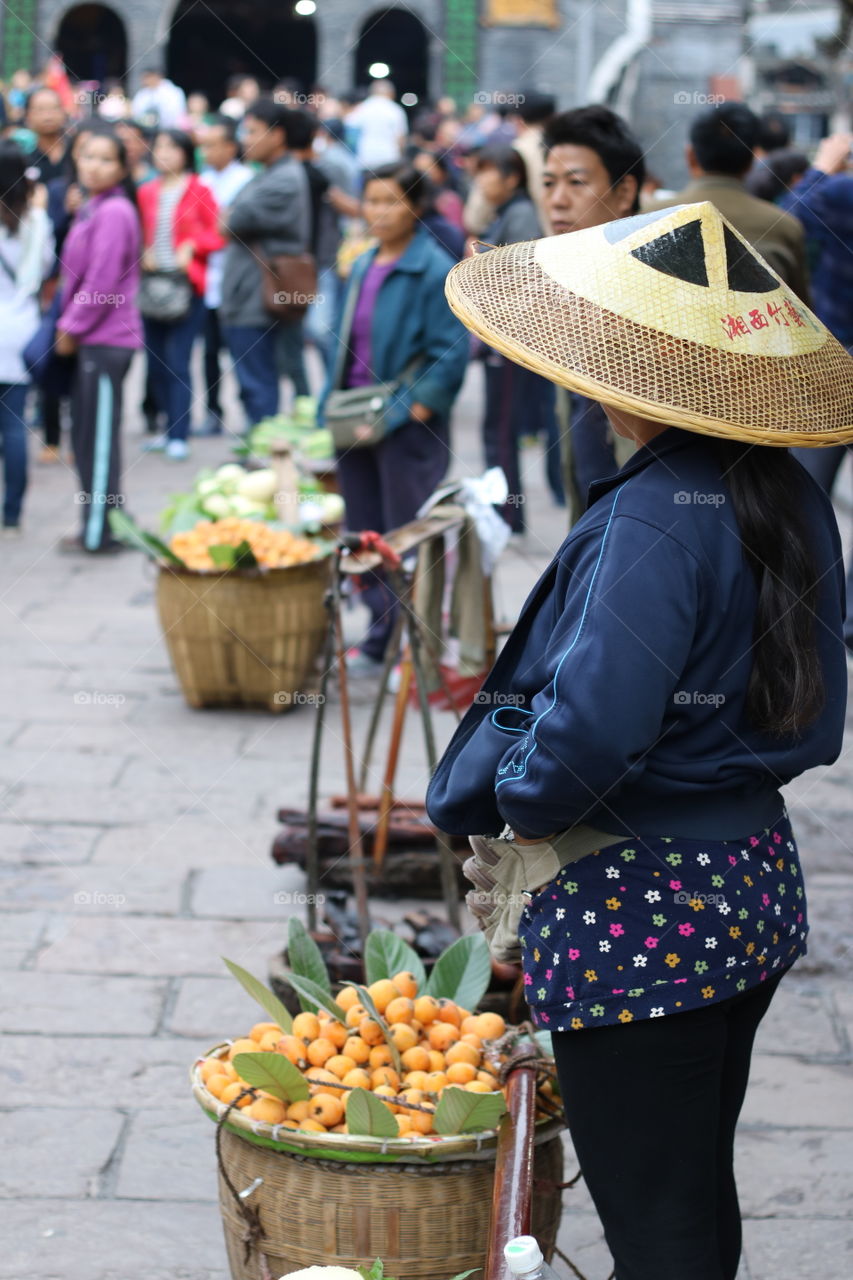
<point x="38" y="198"/>
<point x="149" y="260"/>
<point x="184" y="255"/>
<point x="420" y="412"/>
<point x="65" y="344"/>
<point x="73" y="198"/>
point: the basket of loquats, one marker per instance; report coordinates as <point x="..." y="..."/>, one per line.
<point x="367" y="1124"/>
<point x="242" y="612"/>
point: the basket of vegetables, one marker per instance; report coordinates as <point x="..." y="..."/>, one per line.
<point x="241" y="605"/>
<point x="367" y="1124"/>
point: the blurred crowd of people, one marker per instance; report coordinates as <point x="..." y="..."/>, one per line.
<point x="150" y="222"/>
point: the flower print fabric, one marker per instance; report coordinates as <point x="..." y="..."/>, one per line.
<point x="654" y="926"/>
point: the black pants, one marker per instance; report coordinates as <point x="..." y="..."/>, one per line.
<point x="652" y="1108"/>
<point x="383" y="486"/>
<point x="96" y="437"/>
<point x="213" y="344"/>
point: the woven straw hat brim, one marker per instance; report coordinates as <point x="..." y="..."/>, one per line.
<point x="507" y="299"/>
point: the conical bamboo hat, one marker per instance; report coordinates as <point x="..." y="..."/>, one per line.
<point x="671" y="315"/>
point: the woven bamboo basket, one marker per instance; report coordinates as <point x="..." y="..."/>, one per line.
<point x="244" y="639"/>
<point x="426" y="1222"/>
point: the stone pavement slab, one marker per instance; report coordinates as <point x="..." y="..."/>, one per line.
<point x="209" y="1010"/>
<point x="114" y="1240"/>
<point x="104" y="1071"/>
<point x="48" y="1151"/>
<point x="790" y="1174"/>
<point x="169" y="1155"/>
<point x="785" y="1248"/>
<point x="789" y="1093"/>
<point x="81" y="1004"/>
<point x="154" y="946"/>
<point x="20" y="934"/>
<point x="87" y="889"/>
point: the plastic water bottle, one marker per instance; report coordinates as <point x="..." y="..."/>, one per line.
<point x="524" y="1259"/>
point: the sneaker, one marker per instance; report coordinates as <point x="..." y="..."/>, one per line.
<point x="177" y="450"/>
<point x="11" y="531"/>
<point x="156" y="445"/>
<point x="359" y="664"/>
<point x="212" y="426"/>
<point x="72" y="544"/>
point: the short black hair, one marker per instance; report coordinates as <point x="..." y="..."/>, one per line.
<point x="774" y="131"/>
<point x="275" y="115"/>
<point x="414" y="185"/>
<point x="227" y="124"/>
<point x="507" y="161"/>
<point x="184" y="142"/>
<point x="536" y="108"/>
<point x="724" y="138"/>
<point x="605" y="133"/>
<point x="300" y="128"/>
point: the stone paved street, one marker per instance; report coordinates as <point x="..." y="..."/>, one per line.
<point x="134" y="854"/>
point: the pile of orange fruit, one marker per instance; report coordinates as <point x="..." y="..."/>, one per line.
<point x="438" y="1042"/>
<point x="273" y="548"/>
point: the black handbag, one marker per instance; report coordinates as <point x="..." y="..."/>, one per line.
<point x="49" y="371"/>
<point x="165" y="295"/>
<point x="357" y="416"/>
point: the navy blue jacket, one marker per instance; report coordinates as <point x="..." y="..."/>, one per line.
<point x="619" y="699"/>
<point x="824" y="204"/>
<point x="411" y="318"/>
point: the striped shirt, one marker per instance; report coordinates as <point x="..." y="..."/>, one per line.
<point x="164" y="242"/>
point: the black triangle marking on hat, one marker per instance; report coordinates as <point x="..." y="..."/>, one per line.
<point x="679" y="253"/>
<point x="745" y="272"/>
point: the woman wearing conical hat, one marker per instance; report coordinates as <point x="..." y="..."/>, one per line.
<point x="680" y="660"/>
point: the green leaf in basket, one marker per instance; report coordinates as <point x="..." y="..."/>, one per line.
<point x="274" y="1073"/>
<point x="306" y="958"/>
<point x="367" y="1000"/>
<point x="386" y="954"/>
<point x="376" y="1272"/>
<point x="263" y="995"/>
<point x="314" y="995"/>
<point x="462" y="973"/>
<point x="459" y="1111"/>
<point x="129" y="532"/>
<point x="367" y="1115"/>
<point x="227" y="557"/>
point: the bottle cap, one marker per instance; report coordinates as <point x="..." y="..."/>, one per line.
<point x="523" y="1255"/>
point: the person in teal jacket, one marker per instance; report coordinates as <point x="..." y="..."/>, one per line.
<point x="399" y="315"/>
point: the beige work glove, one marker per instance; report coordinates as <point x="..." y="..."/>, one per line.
<point x="505" y="875"/>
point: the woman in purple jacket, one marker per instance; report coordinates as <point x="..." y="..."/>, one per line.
<point x="99" y="322"/>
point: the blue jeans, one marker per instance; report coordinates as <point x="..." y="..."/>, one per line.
<point x="253" y="351"/>
<point x="320" y="317"/>
<point x="12" y="398"/>
<point x="169" y="351"/>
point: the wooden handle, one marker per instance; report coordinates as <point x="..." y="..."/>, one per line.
<point x="511" y="1199"/>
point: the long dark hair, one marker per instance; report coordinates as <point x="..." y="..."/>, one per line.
<point x="126" y="183"/>
<point x="15" y="186"/>
<point x="184" y="142"/>
<point x="786" y="690"/>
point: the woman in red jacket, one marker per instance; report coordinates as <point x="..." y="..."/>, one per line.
<point x="179" y="231"/>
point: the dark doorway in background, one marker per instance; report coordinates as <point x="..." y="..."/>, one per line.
<point x="93" y="43"/>
<point x="212" y="40"/>
<point x="398" y="38"/>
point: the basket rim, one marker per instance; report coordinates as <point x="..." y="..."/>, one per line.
<point x="260" y="571"/>
<point x="356" y="1149"/>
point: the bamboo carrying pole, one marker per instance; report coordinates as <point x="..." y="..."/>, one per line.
<point x="513" y="1189"/>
